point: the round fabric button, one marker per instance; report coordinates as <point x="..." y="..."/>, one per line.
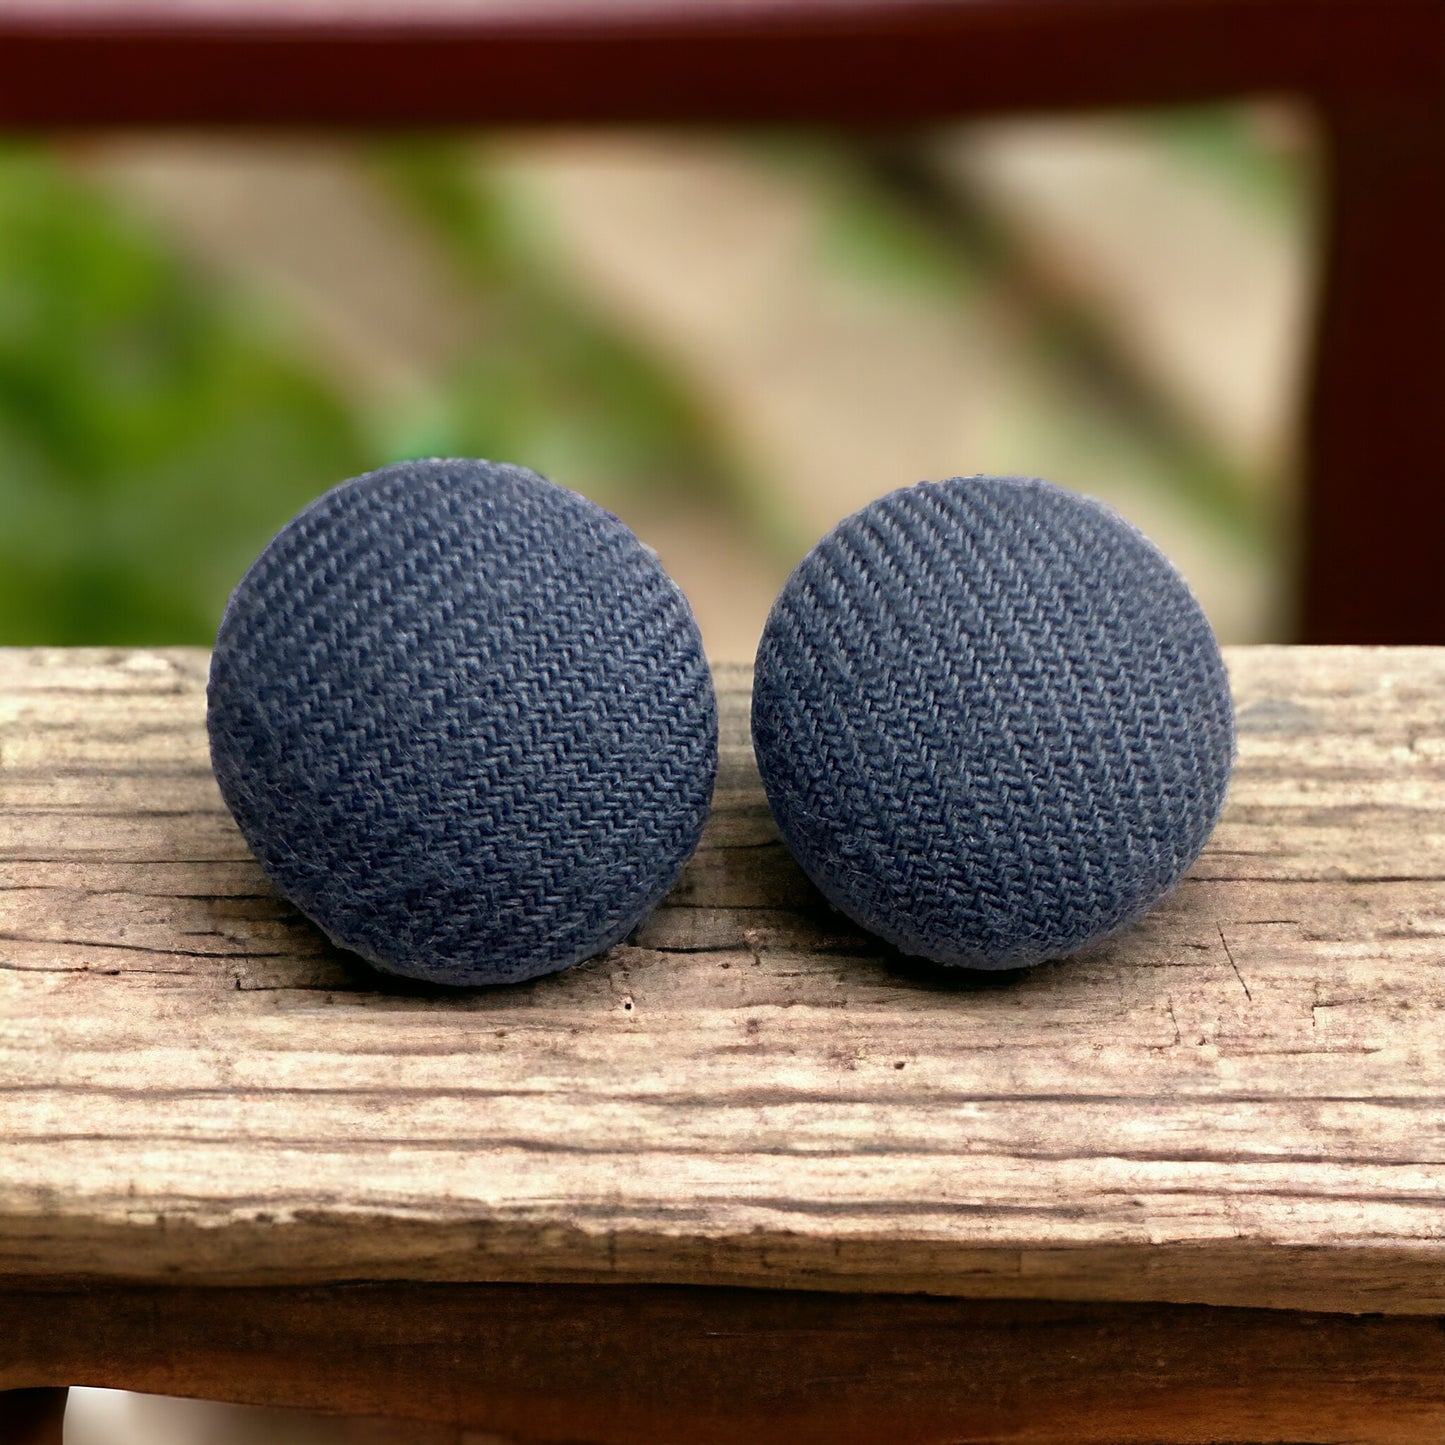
<point x="464" y="720"/>
<point x="993" y="724"/>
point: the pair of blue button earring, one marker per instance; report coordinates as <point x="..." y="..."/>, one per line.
<point x="464" y="720"/>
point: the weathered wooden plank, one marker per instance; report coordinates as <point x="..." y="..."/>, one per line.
<point x="623" y="1365"/>
<point x="1239" y="1101"/>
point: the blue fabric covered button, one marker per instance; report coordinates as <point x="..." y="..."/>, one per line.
<point x="993" y="723"/>
<point x="464" y="720"/>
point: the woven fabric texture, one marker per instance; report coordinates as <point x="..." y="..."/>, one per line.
<point x="993" y="723"/>
<point x="464" y="720"/>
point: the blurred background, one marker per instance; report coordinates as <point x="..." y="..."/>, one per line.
<point x="731" y="341"/>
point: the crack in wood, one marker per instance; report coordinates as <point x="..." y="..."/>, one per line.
<point x="1225" y="942"/>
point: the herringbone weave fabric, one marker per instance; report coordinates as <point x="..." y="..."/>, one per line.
<point x="464" y="720"/>
<point x="993" y="724"/>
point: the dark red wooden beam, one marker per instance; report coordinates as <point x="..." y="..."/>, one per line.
<point x="848" y="61"/>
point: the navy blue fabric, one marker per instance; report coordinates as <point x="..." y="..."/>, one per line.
<point x="464" y="720"/>
<point x="993" y="723"/>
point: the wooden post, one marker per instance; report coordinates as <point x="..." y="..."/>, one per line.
<point x="1374" y="545"/>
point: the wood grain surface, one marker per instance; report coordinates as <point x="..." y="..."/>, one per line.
<point x="1239" y="1101"/>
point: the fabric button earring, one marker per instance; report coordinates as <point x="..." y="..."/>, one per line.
<point x="993" y="723"/>
<point x="464" y="720"/>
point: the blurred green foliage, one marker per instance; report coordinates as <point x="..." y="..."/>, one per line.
<point x="1227" y="141"/>
<point x="151" y="436"/>
<point x="155" y="431"/>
